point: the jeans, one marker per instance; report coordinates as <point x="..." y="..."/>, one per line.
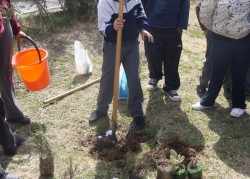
<point x="207" y="65"/>
<point x="228" y="52"/>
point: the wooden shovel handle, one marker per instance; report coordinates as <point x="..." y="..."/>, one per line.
<point x="117" y="67"/>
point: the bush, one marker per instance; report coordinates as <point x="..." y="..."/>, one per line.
<point x="83" y="9"/>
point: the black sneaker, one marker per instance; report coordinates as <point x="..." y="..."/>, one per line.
<point x="228" y="93"/>
<point x="152" y="84"/>
<point x="12" y="149"/>
<point x="96" y="115"/>
<point x="24" y="120"/>
<point x="139" y="122"/>
<point x="247" y="93"/>
<point x="173" y="95"/>
<point x="201" y="91"/>
<point x="19" y="140"/>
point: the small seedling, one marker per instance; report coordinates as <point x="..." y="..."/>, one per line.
<point x="194" y="169"/>
<point x="176" y="159"/>
<point x="178" y="169"/>
<point x="193" y="163"/>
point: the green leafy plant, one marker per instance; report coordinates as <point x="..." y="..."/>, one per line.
<point x="178" y="169"/>
<point x="194" y="169"/>
<point x="176" y="160"/>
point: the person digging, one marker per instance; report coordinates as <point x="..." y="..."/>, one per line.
<point x="134" y="21"/>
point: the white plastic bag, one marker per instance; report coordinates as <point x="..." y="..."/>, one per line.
<point x="123" y="85"/>
<point x="83" y="63"/>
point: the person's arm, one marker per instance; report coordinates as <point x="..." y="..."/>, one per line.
<point x="184" y="14"/>
<point x="1" y="25"/>
<point x="16" y="27"/>
<point x="105" y="21"/>
<point x="197" y="9"/>
<point x="141" y="20"/>
<point x="142" y="24"/>
<point x="145" y="35"/>
<point x="206" y="12"/>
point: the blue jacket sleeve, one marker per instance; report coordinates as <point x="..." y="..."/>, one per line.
<point x="184" y="14"/>
<point x="110" y="32"/>
<point x="141" y="21"/>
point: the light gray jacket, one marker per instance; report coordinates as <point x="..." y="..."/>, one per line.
<point x="230" y="18"/>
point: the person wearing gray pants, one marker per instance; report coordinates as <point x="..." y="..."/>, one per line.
<point x="108" y="24"/>
<point x="8" y="27"/>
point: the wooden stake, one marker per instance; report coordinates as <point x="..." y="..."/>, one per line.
<point x="71" y="91"/>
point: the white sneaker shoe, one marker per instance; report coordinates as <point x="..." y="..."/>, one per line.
<point x="198" y="106"/>
<point x="237" y="112"/>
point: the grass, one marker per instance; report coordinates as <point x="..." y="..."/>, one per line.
<point x="226" y="140"/>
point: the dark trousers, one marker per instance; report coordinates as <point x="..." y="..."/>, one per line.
<point x="2" y="173"/>
<point x="165" y="50"/>
<point x="11" y="104"/>
<point x="207" y="65"/>
<point x="247" y="85"/>
<point x="228" y="52"/>
<point x="7" y="138"/>
<point x="130" y="62"/>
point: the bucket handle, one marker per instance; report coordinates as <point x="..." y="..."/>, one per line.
<point x="32" y="41"/>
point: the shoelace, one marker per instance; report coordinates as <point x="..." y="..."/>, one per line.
<point x="153" y="80"/>
<point x="173" y="92"/>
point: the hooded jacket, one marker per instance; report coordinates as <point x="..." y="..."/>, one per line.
<point x="14" y="24"/>
<point x="167" y="14"/>
<point x="226" y="17"/>
<point x="133" y="13"/>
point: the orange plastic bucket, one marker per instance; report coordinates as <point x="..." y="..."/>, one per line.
<point x="32" y="66"/>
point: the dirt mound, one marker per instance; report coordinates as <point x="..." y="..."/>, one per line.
<point x="108" y="150"/>
<point x="163" y="152"/>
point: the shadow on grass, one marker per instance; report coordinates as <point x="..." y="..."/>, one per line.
<point x="165" y="121"/>
<point x="25" y="149"/>
<point x="118" y="159"/>
<point x="113" y="156"/>
<point x="168" y="121"/>
<point x="233" y="147"/>
<point x="81" y="79"/>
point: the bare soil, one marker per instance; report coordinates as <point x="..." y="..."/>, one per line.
<point x="107" y="149"/>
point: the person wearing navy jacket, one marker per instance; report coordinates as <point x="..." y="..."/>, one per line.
<point x="167" y="19"/>
<point x="134" y="22"/>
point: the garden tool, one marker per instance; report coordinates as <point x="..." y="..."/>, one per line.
<point x="116" y="75"/>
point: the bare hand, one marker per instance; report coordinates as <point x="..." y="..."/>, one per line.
<point x="205" y="33"/>
<point x="146" y="34"/>
<point x="20" y="36"/>
<point x="119" y="24"/>
<point x="180" y="31"/>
